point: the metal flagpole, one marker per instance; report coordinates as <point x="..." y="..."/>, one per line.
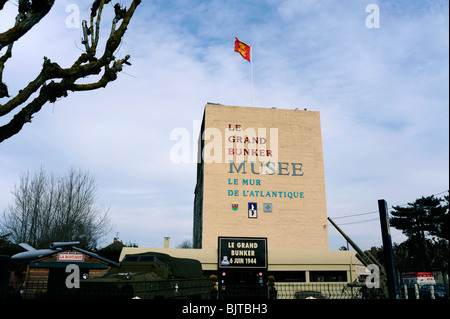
<point x="251" y="68"/>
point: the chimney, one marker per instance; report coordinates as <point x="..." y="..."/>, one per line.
<point x="166" y="242"/>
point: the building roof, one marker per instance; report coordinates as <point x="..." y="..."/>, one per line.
<point x="66" y="248"/>
<point x="278" y="259"/>
<point x="113" y="263"/>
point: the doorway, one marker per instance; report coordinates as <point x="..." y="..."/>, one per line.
<point x="242" y="283"/>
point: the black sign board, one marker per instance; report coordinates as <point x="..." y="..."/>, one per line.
<point x="242" y="252"/>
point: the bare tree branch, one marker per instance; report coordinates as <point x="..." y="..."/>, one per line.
<point x="54" y="82"/>
<point x="2" y="3"/>
<point x="29" y="15"/>
<point x="48" y="208"/>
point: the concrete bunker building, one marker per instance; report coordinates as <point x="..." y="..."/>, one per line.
<point x="267" y="158"/>
<point x="260" y="201"/>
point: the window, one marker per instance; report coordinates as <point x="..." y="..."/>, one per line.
<point x="147" y="259"/>
<point x="159" y="261"/>
<point x="131" y="258"/>
<point x="327" y="276"/>
<point x="288" y="276"/>
<point x="151" y="259"/>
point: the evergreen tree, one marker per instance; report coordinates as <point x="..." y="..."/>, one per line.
<point x="442" y="228"/>
<point x="425" y="217"/>
<point x="425" y="223"/>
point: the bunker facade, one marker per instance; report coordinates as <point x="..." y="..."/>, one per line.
<point x="260" y="174"/>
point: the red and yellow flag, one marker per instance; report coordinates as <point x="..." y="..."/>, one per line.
<point x="243" y="49"/>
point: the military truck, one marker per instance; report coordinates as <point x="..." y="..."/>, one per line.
<point x="147" y="276"/>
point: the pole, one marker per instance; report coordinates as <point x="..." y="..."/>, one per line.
<point x="251" y="68"/>
<point x="387" y="249"/>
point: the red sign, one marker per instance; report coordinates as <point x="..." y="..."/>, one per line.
<point x="71" y="257"/>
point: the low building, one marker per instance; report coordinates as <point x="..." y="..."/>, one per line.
<point x="293" y="270"/>
<point x="285" y="265"/>
<point x="48" y="275"/>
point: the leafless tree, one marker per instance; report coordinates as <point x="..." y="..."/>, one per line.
<point x="53" y="81"/>
<point x="185" y="244"/>
<point x="48" y="209"/>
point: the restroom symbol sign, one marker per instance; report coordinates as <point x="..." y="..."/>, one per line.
<point x="252" y="210"/>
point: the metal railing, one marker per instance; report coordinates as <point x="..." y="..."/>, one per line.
<point x="168" y="289"/>
<point x="339" y="290"/>
<point x="204" y="289"/>
<point x="198" y="289"/>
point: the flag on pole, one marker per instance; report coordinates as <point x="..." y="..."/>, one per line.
<point x="243" y="49"/>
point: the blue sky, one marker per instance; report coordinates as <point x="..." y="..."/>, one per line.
<point x="383" y="96"/>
